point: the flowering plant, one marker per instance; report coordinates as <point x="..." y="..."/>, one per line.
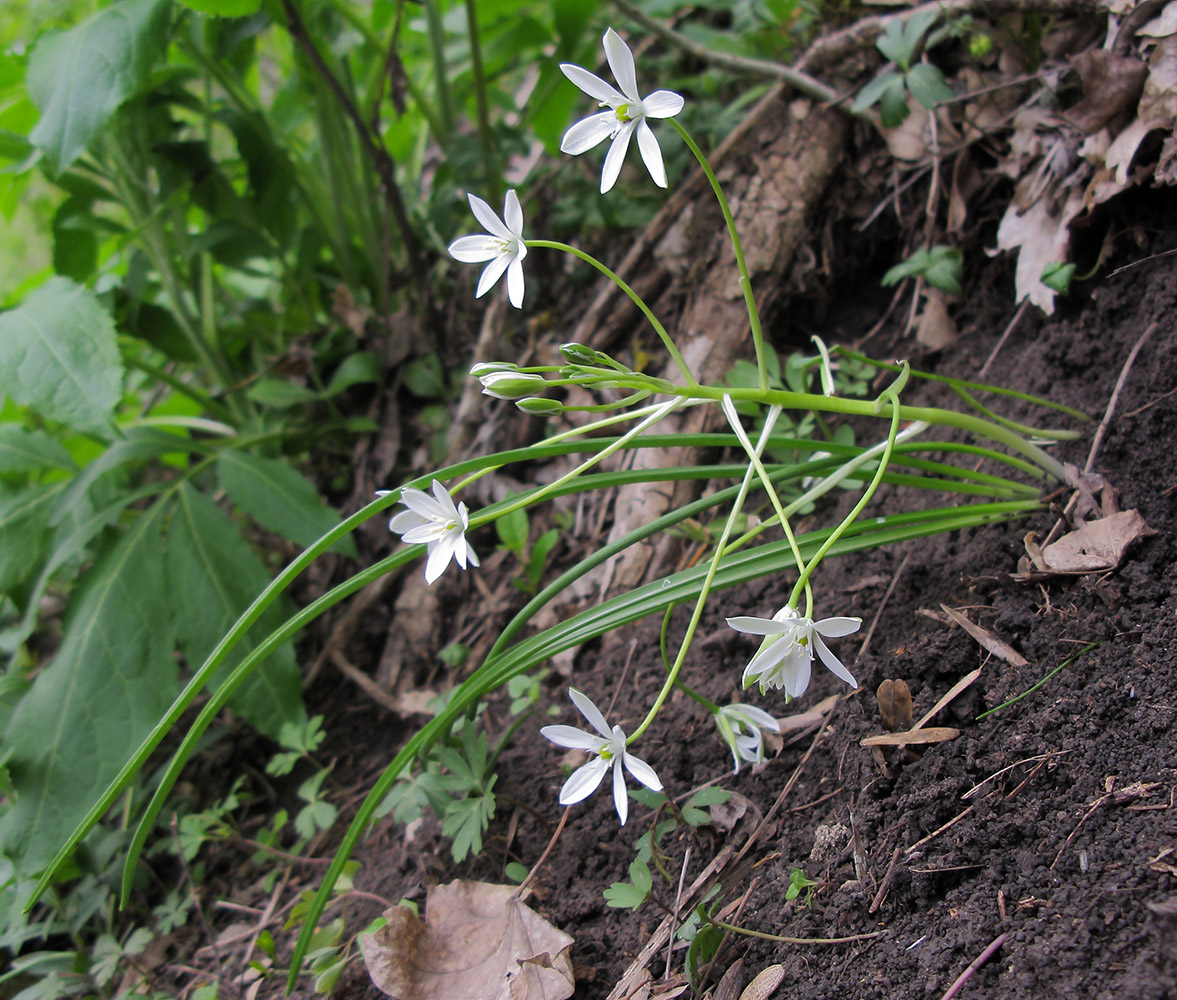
<point x="630" y="404"/>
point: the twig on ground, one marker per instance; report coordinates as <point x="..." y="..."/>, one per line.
<point x="346" y="624"/>
<point x="974" y="965"/>
<point x="885" y="884"/>
<point x="547" y="850"/>
<point x="939" y="830"/>
<point x="682" y="875"/>
<point x="882" y="604"/>
<point x="1111" y="409"/>
<point x="797" y="940"/>
<point x="364" y="682"/>
<point x="1009" y="328"/>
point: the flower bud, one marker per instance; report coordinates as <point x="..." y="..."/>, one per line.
<point x="486" y="367"/>
<point x="578" y="354"/>
<point x="539" y="407"/>
<point x="511" y="384"/>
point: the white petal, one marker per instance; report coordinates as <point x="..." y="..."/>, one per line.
<point x="491" y="274"/>
<point x="475" y="249"/>
<point x="766" y="660"/>
<point x="571" y="737"/>
<point x="445" y="501"/>
<point x="621" y="62"/>
<point x="435" y="565"/>
<point x="592" y="714"/>
<point x="515" y="283"/>
<point x="486" y="215"/>
<point x="404" y="521"/>
<point x="651" y="154"/>
<point x="834" y="628"/>
<point x="615" y="157"/>
<point x="428" y="532"/>
<point x="796" y="677"/>
<point x="471" y="555"/>
<point x="759" y="626"/>
<point x="620" y="799"/>
<point x="662" y="104"/>
<point x="833" y="664"/>
<point x="583" y="781"/>
<point x="420" y="502"/>
<point x="588" y="132"/>
<point x="643" y="772"/>
<point x="592" y="84"/>
<point x="513" y="213"/>
<point x="757" y="717"/>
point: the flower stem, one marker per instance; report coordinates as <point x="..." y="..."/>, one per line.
<point x="745" y="278"/>
<point x="803" y="580"/>
<point x="636" y="299"/>
<point x="701" y="602"/>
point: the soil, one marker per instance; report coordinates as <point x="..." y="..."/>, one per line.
<point x="1051" y="823"/>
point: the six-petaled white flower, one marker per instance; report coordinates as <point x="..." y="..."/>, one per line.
<point x="784" y="658"/>
<point x="610" y="753"/>
<point x="627" y="114"/>
<point x="502" y="245"/>
<point x="437" y="522"/>
<point x="741" y="727"/>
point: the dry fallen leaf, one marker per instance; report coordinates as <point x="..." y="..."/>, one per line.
<point x="765" y="984"/>
<point x="1097" y="546"/>
<point x="934" y="734"/>
<point x="479" y="942"/>
<point x="894" y="698"/>
<point x="986" y="638"/>
<point x="935" y="329"/>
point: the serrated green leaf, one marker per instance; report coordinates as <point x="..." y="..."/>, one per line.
<point x="224" y="8"/>
<point x="710" y="796"/>
<point x="79" y="78"/>
<point x="23" y="450"/>
<point x="58" y="355"/>
<point x="893" y="107"/>
<point x="275" y="495"/>
<point x="112" y="678"/>
<point x="24" y="531"/>
<point x="212" y="577"/>
<point x="465" y="822"/>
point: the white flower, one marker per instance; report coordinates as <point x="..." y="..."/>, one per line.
<point x="610" y="751"/>
<point x="511" y="384"/>
<point x="741" y="727"/>
<point x="784" y="657"/>
<point x="435" y="521"/>
<point x="502" y="245"/>
<point x="627" y="115"/>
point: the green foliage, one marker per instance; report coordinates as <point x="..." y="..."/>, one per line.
<point x="940" y="266"/>
<point x="58" y="355"/>
<point x="630" y="895"/>
<point x="1058" y="276"/>
<point x="799" y="883"/>
<point x="900" y="43"/>
<point x="79" y="78"/>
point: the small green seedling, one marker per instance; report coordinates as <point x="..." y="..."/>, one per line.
<point x="940" y="266"/>
<point x="799" y="883"/>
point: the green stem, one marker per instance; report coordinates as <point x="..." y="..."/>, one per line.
<point x="701" y="602"/>
<point x="182" y="387"/>
<point x="850" y="518"/>
<point x="634" y="297"/>
<point x="485" y="137"/>
<point x="745" y="277"/>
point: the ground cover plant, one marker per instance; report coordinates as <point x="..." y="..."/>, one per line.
<point x="825" y="451"/>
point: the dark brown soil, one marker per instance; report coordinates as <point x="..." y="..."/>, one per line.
<point x="1013" y="828"/>
<point x="1006" y="830"/>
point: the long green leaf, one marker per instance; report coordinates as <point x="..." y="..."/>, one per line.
<point x="279" y="498"/>
<point x="58" y="355"/>
<point x="212" y="575"/>
<point x="79" y="78"/>
<point x="109" y="682"/>
<point x="23" y="450"/>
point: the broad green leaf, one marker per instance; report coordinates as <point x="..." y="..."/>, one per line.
<point x="79" y="78"/>
<point x="24" y="529"/>
<point x="893" y="107"/>
<point x="278" y="498"/>
<point x="112" y="677"/>
<point x="279" y="394"/>
<point x="362" y="366"/>
<point x="928" y="85"/>
<point x="23" y="450"/>
<point x="212" y="576"/>
<point x="58" y="355"/>
<point x="224" y="8"/>
<point x="873" y="92"/>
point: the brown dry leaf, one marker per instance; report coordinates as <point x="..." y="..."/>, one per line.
<point x="934" y="734"/>
<point x="813" y="717"/>
<point x="1041" y="236"/>
<point x="986" y="638"/>
<point x="894" y="698"/>
<point x="1165" y="908"/>
<point x="935" y="329"/>
<point x="1111" y="85"/>
<point x="765" y="984"/>
<point x="1093" y="548"/>
<point x="480" y="942"/>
